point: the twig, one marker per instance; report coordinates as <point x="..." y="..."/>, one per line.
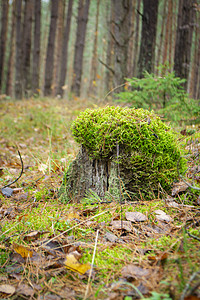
<point x="192" y="277"/>
<point x="188" y="184"/>
<point x="94" y="252"/>
<point x="105" y="65"/>
<point x="115" y="88"/>
<point x="22" y="169"/>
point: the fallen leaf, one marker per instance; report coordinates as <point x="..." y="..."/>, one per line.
<point x="135" y="216"/>
<point x="23" y="251"/>
<point x="72" y="263"/>
<point x="122" y="225"/>
<point x="162" y="216"/>
<point x="179" y="187"/>
<point x="7" y="289"/>
<point x="25" y="290"/>
<point x="111" y="237"/>
<point x="132" y="271"/>
<point x="7" y="192"/>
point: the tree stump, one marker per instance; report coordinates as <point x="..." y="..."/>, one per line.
<point x="123" y="152"/>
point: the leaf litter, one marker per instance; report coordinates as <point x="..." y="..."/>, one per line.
<point x="47" y="246"/>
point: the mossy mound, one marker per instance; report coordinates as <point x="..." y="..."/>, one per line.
<point x="136" y="139"/>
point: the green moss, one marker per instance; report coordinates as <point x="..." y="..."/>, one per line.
<point x="144" y="146"/>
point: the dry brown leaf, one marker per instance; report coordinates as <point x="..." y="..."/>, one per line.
<point x="162" y="216"/>
<point x="122" y="225"/>
<point x="132" y="271"/>
<point x="25" y="290"/>
<point x="72" y="263"/>
<point x="7" y="289"/>
<point x="179" y="187"/>
<point x="135" y="216"/>
<point x="23" y="251"/>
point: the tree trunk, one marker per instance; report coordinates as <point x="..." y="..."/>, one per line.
<point x="161" y="37"/>
<point x="58" y="47"/>
<point x="122" y="34"/>
<point x="27" y="30"/>
<point x="18" y="60"/>
<point x="148" y="39"/>
<point x="136" y="46"/>
<point x="50" y="49"/>
<point x="64" y="54"/>
<point x="131" y="53"/>
<point x="4" y="25"/>
<point x="184" y="34"/>
<point x="83" y="10"/>
<point x="11" y="59"/>
<point x="110" y="49"/>
<point x="36" y="47"/>
<point x="93" y="70"/>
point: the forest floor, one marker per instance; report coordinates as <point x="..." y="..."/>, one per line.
<point x="94" y="249"/>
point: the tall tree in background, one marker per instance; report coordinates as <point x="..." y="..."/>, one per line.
<point x="83" y="10"/>
<point x="36" y="47"/>
<point x="148" y="39"/>
<point x="121" y="36"/>
<point x="184" y="33"/>
<point x="26" y="42"/>
<point x="58" y="46"/>
<point x="4" y="25"/>
<point x="64" y="53"/>
<point x="50" y="48"/>
<point x="93" y="69"/>
<point x="18" y="59"/>
<point x="11" y="57"/>
<point x="136" y="39"/>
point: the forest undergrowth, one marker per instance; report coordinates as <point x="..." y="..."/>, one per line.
<point x="95" y="249"/>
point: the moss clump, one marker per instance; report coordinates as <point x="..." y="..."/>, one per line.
<point x="145" y="147"/>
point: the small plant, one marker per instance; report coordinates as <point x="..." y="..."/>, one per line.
<point x="164" y="94"/>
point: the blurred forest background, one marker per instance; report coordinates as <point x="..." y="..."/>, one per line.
<point x="72" y="48"/>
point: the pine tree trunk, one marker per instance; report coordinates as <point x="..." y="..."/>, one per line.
<point x="11" y="58"/>
<point x="58" y="47"/>
<point x="184" y="34"/>
<point x="27" y="30"/>
<point x="93" y="70"/>
<point x="36" y="47"/>
<point x="18" y="47"/>
<point x="136" y="46"/>
<point x="161" y="37"/>
<point x="110" y="49"/>
<point x="51" y="48"/>
<point x="83" y="10"/>
<point x="4" y="25"/>
<point x="148" y="39"/>
<point x="122" y="33"/>
<point x="64" y="54"/>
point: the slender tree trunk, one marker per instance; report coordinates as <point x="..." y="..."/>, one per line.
<point x="136" y="47"/>
<point x="4" y="25"/>
<point x="51" y="48"/>
<point x="161" y="38"/>
<point x="184" y="34"/>
<point x="110" y="48"/>
<point x="83" y="10"/>
<point x="147" y="46"/>
<point x="64" y="54"/>
<point x="58" y="47"/>
<point x="93" y="70"/>
<point x="131" y="40"/>
<point x="11" y="59"/>
<point x="18" y="60"/>
<point x="36" y="47"/>
<point x="167" y="29"/>
<point x="122" y="34"/>
<point x="26" y="57"/>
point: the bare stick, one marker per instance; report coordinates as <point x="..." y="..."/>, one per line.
<point x="94" y="252"/>
<point x="22" y="169"/>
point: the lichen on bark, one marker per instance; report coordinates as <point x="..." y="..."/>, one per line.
<point x="121" y="148"/>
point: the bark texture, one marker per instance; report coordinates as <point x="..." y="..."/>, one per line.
<point x="147" y="47"/>
<point x="83" y="10"/>
<point x="4" y="23"/>
<point x="184" y="34"/>
<point x="36" y="47"/>
<point x="50" y="49"/>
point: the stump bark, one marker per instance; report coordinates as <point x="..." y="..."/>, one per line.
<point x="87" y="174"/>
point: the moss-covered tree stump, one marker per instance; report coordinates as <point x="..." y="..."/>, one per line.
<point x="123" y="150"/>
